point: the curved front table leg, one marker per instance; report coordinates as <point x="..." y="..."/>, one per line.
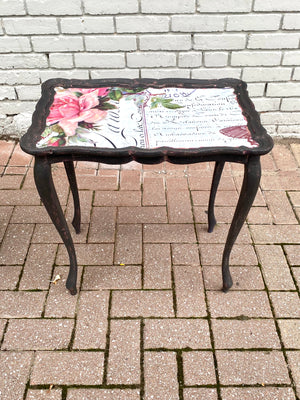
<point x="213" y="191"/>
<point x="45" y="186"/>
<point x="252" y="173"/>
<point x="69" y="167"/>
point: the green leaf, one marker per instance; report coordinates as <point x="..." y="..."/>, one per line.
<point x="74" y="140"/>
<point x="115" y="94"/>
<point x="172" y="106"/>
<point x="135" y="90"/>
<point x="155" y="104"/>
<point x="57" y="128"/>
<point x="78" y="94"/>
<point x="106" y="106"/>
<point x="46" y="132"/>
<point x="55" y="139"/>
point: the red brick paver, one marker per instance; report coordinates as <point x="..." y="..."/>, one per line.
<point x="150" y="320"/>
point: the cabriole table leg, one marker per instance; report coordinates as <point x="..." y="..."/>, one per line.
<point x="45" y="186"/>
<point x="252" y="173"/>
<point x="69" y="167"/>
<point x="213" y="191"/>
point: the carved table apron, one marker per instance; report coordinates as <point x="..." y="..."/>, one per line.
<point x="150" y="121"/>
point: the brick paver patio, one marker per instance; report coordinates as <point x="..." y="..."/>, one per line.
<point x="150" y="321"/>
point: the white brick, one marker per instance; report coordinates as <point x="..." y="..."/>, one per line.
<point x="145" y="23"/>
<point x="16" y="107"/>
<point x="30" y="26"/>
<point x="12" y="7"/>
<point x="191" y="59"/>
<point x="258" y="22"/>
<point x="263" y="104"/>
<point x="256" y="89"/>
<point x="28" y="92"/>
<point x="266" y="74"/>
<point x="286" y="89"/>
<point x="198" y="23"/>
<point x="165" y="73"/>
<point x="110" y="43"/>
<point x="273" y="41"/>
<point x="19" y="77"/>
<point x="14" y="44"/>
<point x="103" y="60"/>
<point x="114" y="73"/>
<point x="23" y="61"/>
<point x="168" y="6"/>
<point x="227" y="6"/>
<point x="57" y="43"/>
<point x="111" y="6"/>
<point x="87" y="25"/>
<point x="289" y="130"/>
<point x="253" y="58"/>
<point x="296" y="75"/>
<point x="165" y="42"/>
<point x="276" y="5"/>
<point x="61" y="60"/>
<point x="291" y="58"/>
<point x="291" y="21"/>
<point x="7" y="93"/>
<point x="74" y="74"/>
<point x="54" y="7"/>
<point x="219" y="42"/>
<point x="271" y="129"/>
<point x="282" y="118"/>
<point x="151" y="59"/>
<point x="216" y="73"/>
<point x="291" y="104"/>
<point x="216" y="59"/>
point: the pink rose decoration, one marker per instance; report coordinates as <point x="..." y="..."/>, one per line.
<point x="68" y="109"/>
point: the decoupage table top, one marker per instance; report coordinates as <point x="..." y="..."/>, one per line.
<point x="145" y="114"/>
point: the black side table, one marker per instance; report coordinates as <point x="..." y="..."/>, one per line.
<point x="116" y="121"/>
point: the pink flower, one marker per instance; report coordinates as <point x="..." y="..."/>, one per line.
<point x="68" y="109"/>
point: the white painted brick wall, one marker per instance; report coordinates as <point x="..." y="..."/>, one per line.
<point x="274" y="41"/>
<point x="12" y="7"/>
<point x="110" y="6"/>
<point x="276" y="5"/>
<point x="30" y="26"/>
<point x="61" y="60"/>
<point x="54" y="7"/>
<point x="255" y="58"/>
<point x="255" y="40"/>
<point x="168" y="6"/>
<point x="290" y="104"/>
<point x="140" y="24"/>
<point x="45" y="44"/>
<point x="7" y="93"/>
<point x="165" y="42"/>
<point x="110" y="43"/>
<point x="291" y="21"/>
<point x="296" y="75"/>
<point x="226" y="6"/>
<point x="151" y="59"/>
<point x="216" y="59"/>
<point x="228" y="41"/>
<point x="198" y="23"/>
<point x="256" y="22"/>
<point x="87" y="25"/>
<point x="265" y="74"/>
